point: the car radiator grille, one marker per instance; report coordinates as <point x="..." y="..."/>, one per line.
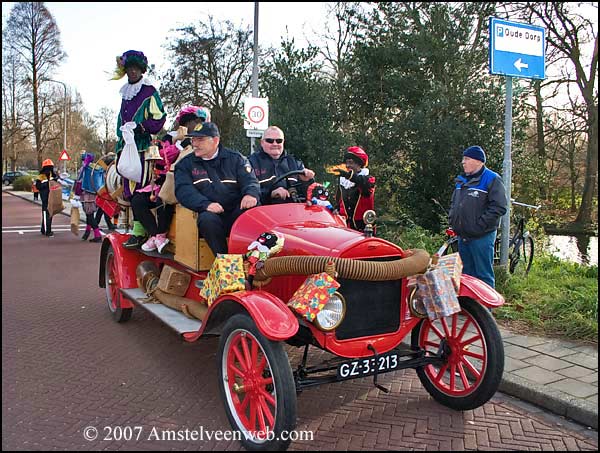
<point x="372" y="308"/>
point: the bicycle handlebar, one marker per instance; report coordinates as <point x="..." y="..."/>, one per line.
<point x="518" y="203"/>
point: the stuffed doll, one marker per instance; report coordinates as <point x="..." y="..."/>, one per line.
<point x="317" y="194"/>
<point x="265" y="246"/>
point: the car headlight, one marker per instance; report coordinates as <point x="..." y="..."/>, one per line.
<point x="332" y="314"/>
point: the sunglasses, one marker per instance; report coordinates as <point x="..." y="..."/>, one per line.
<point x="279" y="141"/>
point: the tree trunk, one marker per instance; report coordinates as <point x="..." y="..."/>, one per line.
<point x="584" y="217"/>
<point x="541" y="142"/>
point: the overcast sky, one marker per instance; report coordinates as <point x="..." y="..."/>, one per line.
<point x="93" y="34"/>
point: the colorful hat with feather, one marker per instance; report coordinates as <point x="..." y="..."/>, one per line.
<point x="130" y="58"/>
<point x="192" y="110"/>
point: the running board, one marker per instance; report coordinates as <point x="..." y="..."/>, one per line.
<point x="171" y="317"/>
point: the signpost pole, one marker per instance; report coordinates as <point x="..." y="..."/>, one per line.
<point x="516" y="50"/>
<point x="507" y="172"/>
<point x="255" y="65"/>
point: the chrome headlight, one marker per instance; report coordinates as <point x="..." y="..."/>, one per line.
<point x="332" y="314"/>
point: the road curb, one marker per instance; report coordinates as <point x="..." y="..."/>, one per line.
<point x="553" y="400"/>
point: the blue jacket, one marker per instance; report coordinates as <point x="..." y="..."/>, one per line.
<point x="478" y="203"/>
<point x="226" y="179"/>
<point x="268" y="170"/>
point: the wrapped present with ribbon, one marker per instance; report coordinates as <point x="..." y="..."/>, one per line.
<point x="310" y="298"/>
<point x="436" y="291"/>
<point x="225" y="276"/>
<point x="452" y="266"/>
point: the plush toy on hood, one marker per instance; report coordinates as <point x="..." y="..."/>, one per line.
<point x="317" y="194"/>
<point x="265" y="246"/>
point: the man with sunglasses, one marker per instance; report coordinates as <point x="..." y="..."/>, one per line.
<point x="270" y="162"/>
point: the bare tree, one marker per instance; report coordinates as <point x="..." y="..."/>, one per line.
<point x="14" y="133"/>
<point x="211" y="66"/>
<point x="32" y="34"/>
<point x="106" y="118"/>
<point x="568" y="32"/>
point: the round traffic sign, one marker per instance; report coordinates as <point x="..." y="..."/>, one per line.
<point x="256" y="114"/>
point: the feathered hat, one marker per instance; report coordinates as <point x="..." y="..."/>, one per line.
<point x="130" y="58"/>
<point x="200" y="112"/>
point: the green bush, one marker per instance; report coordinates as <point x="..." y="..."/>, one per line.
<point x="23" y="183"/>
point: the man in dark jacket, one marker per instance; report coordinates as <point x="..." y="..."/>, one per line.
<point x="216" y="182"/>
<point x="478" y="203"/>
<point x="272" y="161"/>
<point x="42" y="184"/>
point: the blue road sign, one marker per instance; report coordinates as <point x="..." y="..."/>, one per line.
<point x="517" y="50"/>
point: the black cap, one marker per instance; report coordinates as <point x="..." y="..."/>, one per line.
<point x="204" y="130"/>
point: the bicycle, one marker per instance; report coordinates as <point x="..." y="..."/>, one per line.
<point x="520" y="248"/>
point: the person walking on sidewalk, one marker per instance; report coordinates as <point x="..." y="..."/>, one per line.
<point x="34" y="189"/>
<point x="42" y="183"/>
<point x="88" y="200"/>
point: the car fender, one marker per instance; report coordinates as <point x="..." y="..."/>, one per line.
<point x="272" y="317"/>
<point x="480" y="291"/>
<point x="126" y="260"/>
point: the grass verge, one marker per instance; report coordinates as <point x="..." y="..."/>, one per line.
<point x="556" y="299"/>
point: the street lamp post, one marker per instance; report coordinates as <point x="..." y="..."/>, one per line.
<point x="64" y="119"/>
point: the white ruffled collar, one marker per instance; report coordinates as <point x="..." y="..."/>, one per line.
<point x="347" y="184"/>
<point x="130" y="90"/>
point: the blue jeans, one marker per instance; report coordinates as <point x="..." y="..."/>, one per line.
<point x="477" y="256"/>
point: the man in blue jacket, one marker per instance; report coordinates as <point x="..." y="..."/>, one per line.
<point x="216" y="182"/>
<point x="271" y="161"/>
<point x="478" y="203"/>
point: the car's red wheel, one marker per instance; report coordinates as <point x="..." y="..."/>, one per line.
<point x="473" y="353"/>
<point x="257" y="385"/>
<point x="113" y="295"/>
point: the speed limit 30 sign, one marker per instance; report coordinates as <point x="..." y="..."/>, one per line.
<point x="256" y="113"/>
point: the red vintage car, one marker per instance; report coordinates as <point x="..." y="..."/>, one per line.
<point x="459" y="359"/>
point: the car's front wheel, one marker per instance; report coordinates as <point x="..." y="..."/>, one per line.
<point x="257" y="385"/>
<point x="470" y="345"/>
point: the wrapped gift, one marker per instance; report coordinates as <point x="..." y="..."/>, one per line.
<point x="225" y="276"/>
<point x="436" y="290"/>
<point x="452" y="266"/>
<point x="310" y="298"/>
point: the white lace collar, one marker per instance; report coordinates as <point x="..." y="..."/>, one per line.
<point x="130" y="90"/>
<point x="347" y="184"/>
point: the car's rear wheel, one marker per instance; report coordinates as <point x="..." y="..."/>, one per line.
<point x="113" y="295"/>
<point x="473" y="353"/>
<point x="257" y="385"/>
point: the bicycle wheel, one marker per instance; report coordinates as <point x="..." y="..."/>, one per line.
<point x="521" y="256"/>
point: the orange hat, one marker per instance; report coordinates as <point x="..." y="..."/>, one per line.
<point x="48" y="163"/>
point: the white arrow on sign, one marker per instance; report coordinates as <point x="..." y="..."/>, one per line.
<point x="519" y="65"/>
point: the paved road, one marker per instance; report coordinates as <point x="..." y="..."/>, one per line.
<point x="67" y="366"/>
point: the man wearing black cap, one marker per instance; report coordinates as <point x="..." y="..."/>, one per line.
<point x="216" y="182"/>
<point x="478" y="203"/>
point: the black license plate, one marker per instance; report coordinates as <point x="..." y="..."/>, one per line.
<point x="357" y="368"/>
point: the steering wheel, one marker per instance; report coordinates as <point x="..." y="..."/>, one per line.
<point x="292" y="187"/>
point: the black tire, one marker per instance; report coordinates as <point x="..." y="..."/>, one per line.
<point x="473" y="352"/>
<point x="522" y="259"/>
<point x="244" y="397"/>
<point x="113" y="294"/>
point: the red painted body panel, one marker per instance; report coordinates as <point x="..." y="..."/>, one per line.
<point x="480" y="291"/>
<point x="273" y="318"/>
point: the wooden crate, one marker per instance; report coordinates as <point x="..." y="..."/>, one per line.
<point x="190" y="250"/>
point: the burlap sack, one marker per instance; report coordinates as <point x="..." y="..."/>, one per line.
<point x="75" y="221"/>
<point x="55" y="202"/>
